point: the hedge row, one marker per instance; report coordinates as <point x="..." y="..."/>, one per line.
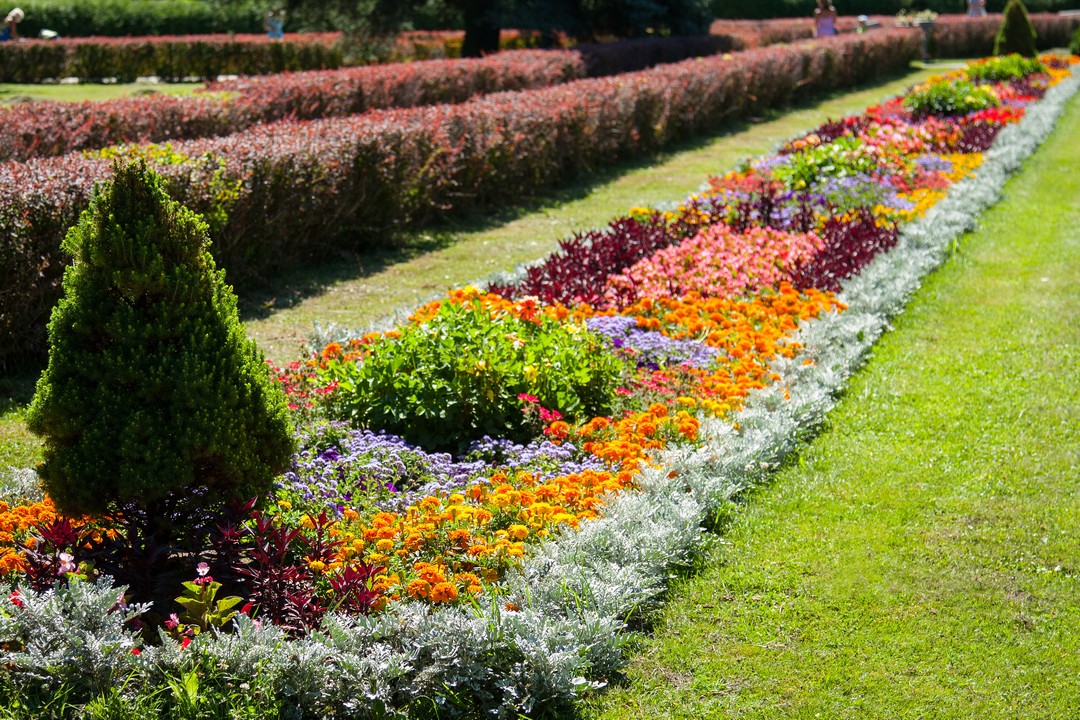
<point x="960" y="36"/>
<point x="53" y="128"/>
<point x="169" y="57"/>
<point x="280" y="194"/>
<point x="114" y="18"/>
<point x="761" y="9"/>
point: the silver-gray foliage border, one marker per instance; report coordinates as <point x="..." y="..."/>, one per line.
<point x="576" y="592"/>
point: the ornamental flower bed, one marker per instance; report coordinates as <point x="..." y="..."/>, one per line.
<point x="280" y="194"/>
<point x="500" y="579"/>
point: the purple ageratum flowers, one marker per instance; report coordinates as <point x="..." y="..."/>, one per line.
<point x="652" y="349"/>
<point x="338" y="467"/>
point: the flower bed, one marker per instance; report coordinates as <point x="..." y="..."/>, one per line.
<point x="167" y="57"/>
<point x="501" y="581"/>
<point x="279" y="194"/>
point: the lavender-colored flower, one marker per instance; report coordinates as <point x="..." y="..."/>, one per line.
<point x="652" y="349"/>
<point x="339" y="467"/>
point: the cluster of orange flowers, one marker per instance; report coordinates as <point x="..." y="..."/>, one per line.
<point x="15" y="522"/>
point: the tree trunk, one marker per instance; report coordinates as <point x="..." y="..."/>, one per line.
<point x="481" y="29"/>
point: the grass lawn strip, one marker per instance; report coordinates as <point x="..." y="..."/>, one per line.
<point x="920" y="557"/>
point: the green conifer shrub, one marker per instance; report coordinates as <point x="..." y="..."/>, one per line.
<point x="1017" y="34"/>
<point x="152" y="391"/>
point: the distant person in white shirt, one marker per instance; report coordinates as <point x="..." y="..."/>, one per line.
<point x="10" y="22"/>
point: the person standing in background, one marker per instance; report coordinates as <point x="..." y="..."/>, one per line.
<point x="976" y="8"/>
<point x="824" y="19"/>
<point x="10" y="22"/>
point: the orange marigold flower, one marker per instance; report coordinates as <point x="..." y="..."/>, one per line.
<point x="443" y="592"/>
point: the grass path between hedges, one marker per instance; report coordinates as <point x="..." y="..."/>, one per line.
<point x="76" y="92"/>
<point x="358" y="291"/>
<point x="922" y="558"/>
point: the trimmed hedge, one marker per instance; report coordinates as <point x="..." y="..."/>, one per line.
<point x="761" y="9"/>
<point x="45" y="129"/>
<point x="168" y="57"/>
<point x="280" y="194"/>
<point x="961" y="36"/>
<point x="116" y="18"/>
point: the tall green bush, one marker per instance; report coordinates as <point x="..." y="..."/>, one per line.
<point x="152" y="389"/>
<point x="1017" y="34"/>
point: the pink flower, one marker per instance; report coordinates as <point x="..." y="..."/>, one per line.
<point x="172" y="622"/>
<point x="67" y="564"/>
<point x="527" y="398"/>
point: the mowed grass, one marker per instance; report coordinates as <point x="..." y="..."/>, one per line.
<point x="921" y="559"/>
<point x="356" y="291"/>
<point x="76" y="92"/>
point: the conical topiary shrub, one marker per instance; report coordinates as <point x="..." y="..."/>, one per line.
<point x="152" y="390"/>
<point x="1017" y="34"/>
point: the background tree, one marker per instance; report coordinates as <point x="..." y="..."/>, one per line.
<point x="483" y="19"/>
<point x="153" y="397"/>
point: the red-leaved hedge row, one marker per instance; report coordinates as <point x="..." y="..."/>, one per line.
<point x="45" y="129"/>
<point x="950" y="36"/>
<point x="279" y="194"/>
<point x="168" y="57"/>
<point x="962" y="36"/>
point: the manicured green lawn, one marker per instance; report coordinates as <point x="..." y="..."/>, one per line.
<point x="922" y="558"/>
<point x="72" y="92"/>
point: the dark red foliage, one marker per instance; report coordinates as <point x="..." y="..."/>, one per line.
<point x="42" y="555"/>
<point x="849" y="246"/>
<point x="575" y="273"/>
<point x="977" y="136"/>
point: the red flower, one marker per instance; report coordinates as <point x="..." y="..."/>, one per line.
<point x="136" y="651"/>
<point x="184" y="643"/>
<point x="15" y="599"/>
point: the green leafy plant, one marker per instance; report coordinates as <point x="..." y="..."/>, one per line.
<point x="1016" y="34"/>
<point x="843" y="157"/>
<point x="949" y="97"/>
<point x="1004" y="67"/>
<point x="152" y="396"/>
<point x="203" y="610"/>
<point x="458" y="377"/>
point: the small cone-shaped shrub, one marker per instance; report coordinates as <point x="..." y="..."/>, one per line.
<point x="152" y="390"/>
<point x="1016" y="34"/>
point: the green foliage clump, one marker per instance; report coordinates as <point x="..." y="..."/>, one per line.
<point x="1004" y="67"/>
<point x="843" y="157"/>
<point x="458" y="377"/>
<point x="1016" y="34"/>
<point x="949" y="97"/>
<point x="1074" y="44"/>
<point x="152" y="389"/>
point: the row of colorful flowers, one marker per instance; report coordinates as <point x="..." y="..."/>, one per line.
<point x="702" y="358"/>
